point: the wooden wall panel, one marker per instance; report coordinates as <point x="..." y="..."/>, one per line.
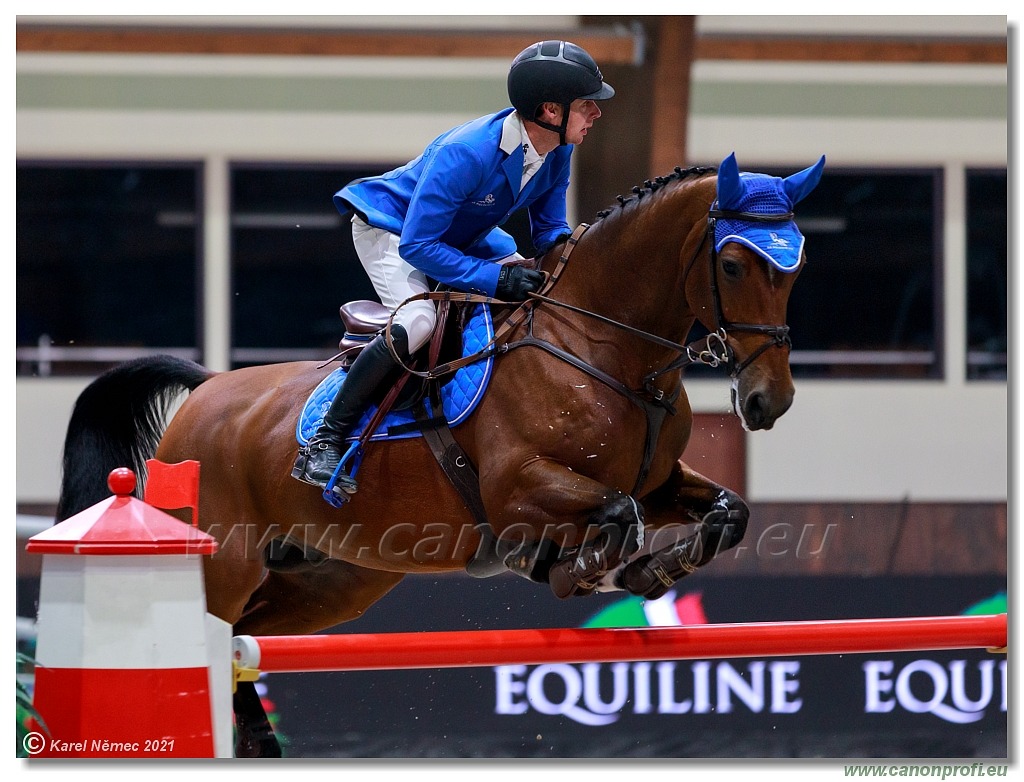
<point x="670" y="88"/>
<point x="870" y="539"/>
<point x="718" y="450"/>
<point x="826" y="539"/>
<point x="610" y="39"/>
<point x="603" y="44"/>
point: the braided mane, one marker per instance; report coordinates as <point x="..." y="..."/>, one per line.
<point x="650" y="186"/>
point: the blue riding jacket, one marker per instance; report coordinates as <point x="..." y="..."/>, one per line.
<point x="448" y="203"/>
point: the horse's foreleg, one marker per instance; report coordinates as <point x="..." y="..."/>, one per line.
<point x="621" y="522"/>
<point x="722" y="517"/>
<point x="591" y="529"/>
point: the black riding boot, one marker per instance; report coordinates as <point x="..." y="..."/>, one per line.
<point x="319" y="459"/>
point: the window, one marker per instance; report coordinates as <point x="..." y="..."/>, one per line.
<point x="107" y="258"/>
<point x="867" y="301"/>
<point x="986" y="274"/>
<point x="293" y="263"/>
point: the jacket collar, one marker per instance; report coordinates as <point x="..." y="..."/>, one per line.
<point x="515" y="143"/>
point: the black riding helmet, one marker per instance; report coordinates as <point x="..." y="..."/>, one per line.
<point x="558" y="72"/>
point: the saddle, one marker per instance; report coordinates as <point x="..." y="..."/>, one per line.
<point x="432" y="413"/>
<point x="363" y="320"/>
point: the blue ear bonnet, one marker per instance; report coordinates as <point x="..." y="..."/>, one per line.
<point x="781" y="243"/>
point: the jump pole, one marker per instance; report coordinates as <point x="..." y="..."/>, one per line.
<point x="477" y="648"/>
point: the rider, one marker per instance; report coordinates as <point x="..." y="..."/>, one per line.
<point x="437" y="217"/>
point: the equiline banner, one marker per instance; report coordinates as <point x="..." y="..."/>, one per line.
<point x="909" y="705"/>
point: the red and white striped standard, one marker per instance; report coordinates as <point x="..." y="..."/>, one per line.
<point x="123" y="658"/>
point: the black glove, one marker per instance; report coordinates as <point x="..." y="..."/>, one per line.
<point x="514" y="282"/>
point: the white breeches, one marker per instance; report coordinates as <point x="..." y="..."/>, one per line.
<point x="395" y="280"/>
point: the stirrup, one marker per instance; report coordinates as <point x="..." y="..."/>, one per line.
<point x="342" y="484"/>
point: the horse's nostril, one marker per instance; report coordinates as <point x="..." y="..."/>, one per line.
<point x="755" y="411"/>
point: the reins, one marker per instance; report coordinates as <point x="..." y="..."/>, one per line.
<point x="496" y="344"/>
<point x="713" y="350"/>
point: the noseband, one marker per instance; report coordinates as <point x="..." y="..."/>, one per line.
<point x="716" y="350"/>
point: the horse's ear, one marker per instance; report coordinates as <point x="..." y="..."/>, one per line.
<point x="799" y="185"/>
<point x="730" y="189"/>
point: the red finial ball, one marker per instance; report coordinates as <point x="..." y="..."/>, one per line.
<point x="121" y="481"/>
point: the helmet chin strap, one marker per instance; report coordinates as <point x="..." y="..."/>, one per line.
<point x="559" y="129"/>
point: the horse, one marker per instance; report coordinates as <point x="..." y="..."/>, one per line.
<point x="577" y="443"/>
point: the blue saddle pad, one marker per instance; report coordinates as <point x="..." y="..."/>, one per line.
<point x="459" y="396"/>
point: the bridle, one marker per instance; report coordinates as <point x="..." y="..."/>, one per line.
<point x="778" y="336"/>
<point x="714" y="349"/>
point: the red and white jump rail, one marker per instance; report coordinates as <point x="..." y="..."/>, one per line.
<point x="474" y="648"/>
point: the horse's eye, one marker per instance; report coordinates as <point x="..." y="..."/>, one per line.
<point x="731" y="268"/>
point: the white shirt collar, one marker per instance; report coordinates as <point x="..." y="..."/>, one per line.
<point x="513" y="135"/>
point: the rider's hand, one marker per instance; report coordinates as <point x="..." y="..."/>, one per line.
<point x="514" y="282"/>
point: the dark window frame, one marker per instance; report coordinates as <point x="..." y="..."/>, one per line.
<point x="318" y="310"/>
<point x="979" y="364"/>
<point x="78" y="361"/>
<point x="70" y="360"/>
<point x="878" y="363"/>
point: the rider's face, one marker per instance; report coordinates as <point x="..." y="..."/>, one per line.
<point x="582" y="114"/>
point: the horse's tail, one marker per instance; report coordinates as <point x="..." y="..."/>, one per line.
<point x="118" y="421"/>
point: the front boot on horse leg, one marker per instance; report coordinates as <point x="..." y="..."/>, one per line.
<point x="652" y="575"/>
<point x="319" y="460"/>
<point x="578" y="575"/>
<point x="539" y="562"/>
<point x="621" y="525"/>
<point x="722" y="527"/>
